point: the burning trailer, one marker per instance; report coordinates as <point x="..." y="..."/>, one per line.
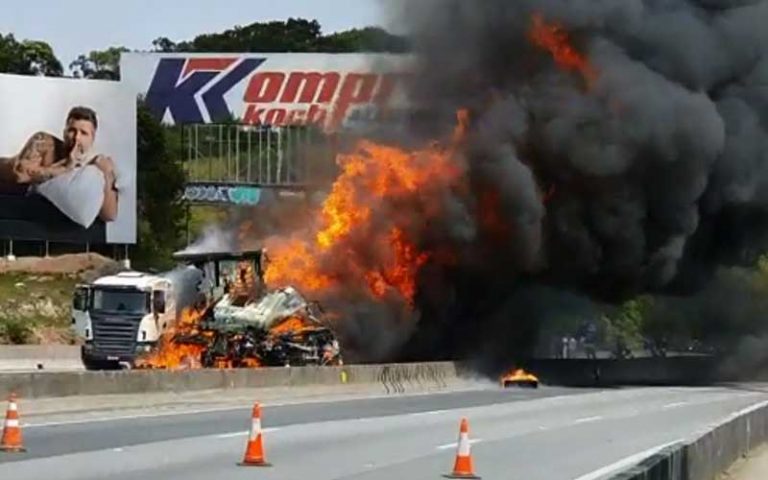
<point x="234" y="321"/>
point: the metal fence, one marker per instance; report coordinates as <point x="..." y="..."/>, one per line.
<point x="257" y="155"/>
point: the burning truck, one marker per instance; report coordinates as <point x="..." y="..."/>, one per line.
<point x="215" y="312"/>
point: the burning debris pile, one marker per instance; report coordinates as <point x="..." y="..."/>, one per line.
<point x="242" y="324"/>
<point x="600" y="148"/>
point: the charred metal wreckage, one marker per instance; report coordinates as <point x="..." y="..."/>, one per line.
<point x="241" y="323"/>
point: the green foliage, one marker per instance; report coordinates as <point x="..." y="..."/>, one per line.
<point x="163" y="44"/>
<point x="99" y="64"/>
<point x="368" y="39"/>
<point x="15" y="331"/>
<point x="293" y="35"/>
<point x="28" y="57"/>
<point x="626" y="324"/>
<point x="160" y="180"/>
<point x="35" y="308"/>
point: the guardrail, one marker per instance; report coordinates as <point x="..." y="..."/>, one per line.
<point x="708" y="454"/>
<point x="393" y="378"/>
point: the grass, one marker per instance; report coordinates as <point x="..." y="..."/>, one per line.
<point x="35" y="308"/>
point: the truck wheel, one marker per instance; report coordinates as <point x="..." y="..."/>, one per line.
<point x="90" y="365"/>
<point x="100" y="365"/>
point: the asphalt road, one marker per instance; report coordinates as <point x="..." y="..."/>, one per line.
<point x="548" y="434"/>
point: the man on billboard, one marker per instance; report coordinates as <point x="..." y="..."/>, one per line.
<point x="46" y="161"/>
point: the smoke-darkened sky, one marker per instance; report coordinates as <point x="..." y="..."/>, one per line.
<point x="639" y="173"/>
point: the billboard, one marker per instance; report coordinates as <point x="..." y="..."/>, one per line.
<point x="67" y="160"/>
<point x="329" y="90"/>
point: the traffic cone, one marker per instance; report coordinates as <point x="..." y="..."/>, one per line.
<point x="254" y="451"/>
<point x="11" y="441"/>
<point x="463" y="468"/>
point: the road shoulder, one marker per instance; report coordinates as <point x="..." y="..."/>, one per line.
<point x="752" y="467"/>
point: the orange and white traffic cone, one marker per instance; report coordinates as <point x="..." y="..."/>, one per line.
<point x="11" y="440"/>
<point x="254" y="452"/>
<point x="462" y="468"/>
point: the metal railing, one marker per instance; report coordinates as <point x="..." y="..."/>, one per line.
<point x="256" y="155"/>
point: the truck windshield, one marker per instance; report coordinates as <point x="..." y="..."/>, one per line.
<point x="127" y="301"/>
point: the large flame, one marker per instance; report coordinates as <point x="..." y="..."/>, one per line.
<point x="357" y="215"/>
<point x="553" y="38"/>
<point x="171" y="354"/>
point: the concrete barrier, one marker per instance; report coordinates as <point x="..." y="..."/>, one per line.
<point x="39" y="357"/>
<point x="708" y="454"/>
<point x="681" y="370"/>
<point x="393" y="378"/>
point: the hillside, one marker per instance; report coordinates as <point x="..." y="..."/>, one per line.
<point x="35" y="295"/>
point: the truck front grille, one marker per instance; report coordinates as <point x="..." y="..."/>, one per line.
<point x="115" y="335"/>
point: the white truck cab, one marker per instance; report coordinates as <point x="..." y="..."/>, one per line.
<point x="122" y="316"/>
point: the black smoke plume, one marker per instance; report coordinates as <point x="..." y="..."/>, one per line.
<point x="645" y="178"/>
<point x="644" y="174"/>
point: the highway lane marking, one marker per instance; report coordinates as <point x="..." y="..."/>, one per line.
<point x="624" y="462"/>
<point x="129" y="417"/>
<point x="455" y="444"/>
<point x="154" y="415"/>
<point x="674" y="405"/>
<point x="587" y="419"/>
<point x="554" y="399"/>
<point x="245" y="432"/>
<point x="431" y="412"/>
<point x="240" y="407"/>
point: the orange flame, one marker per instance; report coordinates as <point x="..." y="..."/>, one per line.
<point x="371" y="176"/>
<point x="172" y="355"/>
<point x="289" y="325"/>
<point x="552" y="37"/>
<point x="402" y="273"/>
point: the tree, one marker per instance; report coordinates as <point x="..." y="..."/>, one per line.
<point x="163" y="44"/>
<point x="99" y="64"/>
<point x="625" y="325"/>
<point x="160" y="181"/>
<point x="28" y="57"/>
<point x="293" y="35"/>
<point x="368" y="39"/>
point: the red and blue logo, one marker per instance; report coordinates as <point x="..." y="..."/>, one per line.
<point x="178" y="81"/>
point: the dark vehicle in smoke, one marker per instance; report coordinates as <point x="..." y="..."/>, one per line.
<point x="242" y="324"/>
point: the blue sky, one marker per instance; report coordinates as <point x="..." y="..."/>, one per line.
<point x="72" y="28"/>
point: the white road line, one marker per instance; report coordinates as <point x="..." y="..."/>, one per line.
<point x="229" y="409"/>
<point x="131" y="417"/>
<point x="431" y="412"/>
<point x="455" y="444"/>
<point x="244" y="433"/>
<point x="624" y="463"/>
<point x="674" y="405"/>
<point x="587" y="419"/>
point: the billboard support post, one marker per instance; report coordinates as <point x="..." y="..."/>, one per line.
<point x="47" y="249"/>
<point x="11" y="256"/>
